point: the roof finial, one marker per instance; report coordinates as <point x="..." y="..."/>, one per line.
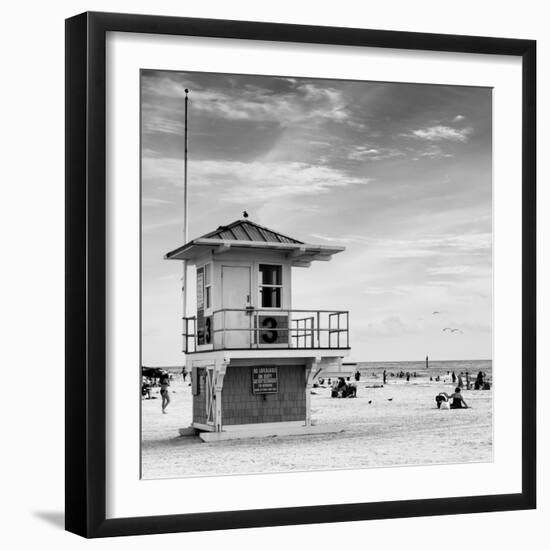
<point x="245" y="214"/>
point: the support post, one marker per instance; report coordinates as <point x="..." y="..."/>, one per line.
<point x="219" y="374"/>
<point x="312" y="368"/>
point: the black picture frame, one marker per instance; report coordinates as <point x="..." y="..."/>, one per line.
<point x="86" y="268"/>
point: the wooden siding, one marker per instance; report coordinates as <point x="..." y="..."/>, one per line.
<point x="241" y="406"/>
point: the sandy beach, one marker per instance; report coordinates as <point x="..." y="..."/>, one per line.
<point x="397" y="424"/>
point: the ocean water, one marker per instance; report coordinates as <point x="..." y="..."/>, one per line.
<point x="443" y="369"/>
<point x="375" y="369"/>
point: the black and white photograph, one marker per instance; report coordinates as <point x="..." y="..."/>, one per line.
<point x="316" y="274"/>
<point x="275" y="275"/>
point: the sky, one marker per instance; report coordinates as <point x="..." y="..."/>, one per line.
<point x="398" y="173"/>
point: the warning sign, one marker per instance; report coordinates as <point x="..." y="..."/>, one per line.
<point x="265" y="379"/>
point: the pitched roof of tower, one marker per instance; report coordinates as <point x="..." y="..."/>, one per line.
<point x="246" y="230"/>
<point x="247" y="234"/>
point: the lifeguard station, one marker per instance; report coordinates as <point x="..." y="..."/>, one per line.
<point x="253" y="358"/>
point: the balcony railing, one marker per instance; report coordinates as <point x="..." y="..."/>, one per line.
<point x="252" y="328"/>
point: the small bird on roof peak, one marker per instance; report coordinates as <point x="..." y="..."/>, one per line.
<point x="245" y="214"/>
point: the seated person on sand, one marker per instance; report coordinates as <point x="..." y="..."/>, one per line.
<point x="457" y="400"/>
<point x="456" y="397"/>
<point x="145" y="388"/>
<point x="341" y="388"/>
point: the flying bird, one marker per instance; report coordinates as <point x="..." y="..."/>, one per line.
<point x="390" y="399"/>
<point x="435" y="312"/>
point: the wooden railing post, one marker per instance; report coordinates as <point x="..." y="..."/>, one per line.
<point x="318" y="329"/>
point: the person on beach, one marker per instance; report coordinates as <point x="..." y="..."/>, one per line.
<point x="164" y="391"/>
<point x="457" y="401"/>
<point x="408" y="376"/>
<point x="357" y="375"/>
<point x="453" y="377"/>
<point x="460" y="381"/>
<point x="479" y="381"/>
<point x="145" y="388"/>
<point x="184" y="373"/>
<point x="384" y="374"/>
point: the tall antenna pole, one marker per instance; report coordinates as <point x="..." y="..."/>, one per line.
<point x="186" y="220"/>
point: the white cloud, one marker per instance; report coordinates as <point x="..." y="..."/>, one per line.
<point x="161" y="123"/>
<point x="153" y="226"/>
<point x="434" y="152"/>
<point x="342" y="240"/>
<point x="305" y="102"/>
<point x="389" y="326"/>
<point x="440" y="133"/>
<point x="366" y="153"/>
<point x="458" y="118"/>
<point x="389" y="290"/>
<point x="423" y="246"/>
<point x="150" y="201"/>
<point x="448" y="270"/>
<point x="235" y="181"/>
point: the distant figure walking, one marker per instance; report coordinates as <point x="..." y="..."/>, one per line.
<point x="427" y="362"/>
<point x="460" y="382"/>
<point x="184" y="373"/>
<point x="384" y="374"/>
<point x="164" y="386"/>
<point x="453" y="377"/>
<point x="408" y="376"/>
<point x="357" y="375"/>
